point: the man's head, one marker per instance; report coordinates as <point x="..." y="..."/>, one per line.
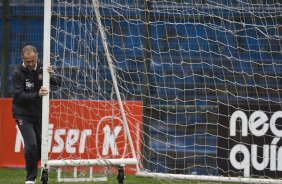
<point x="29" y="57"/>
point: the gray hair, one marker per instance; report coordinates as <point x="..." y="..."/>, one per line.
<point x="29" y="48"/>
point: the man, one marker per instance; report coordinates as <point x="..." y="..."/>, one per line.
<point x="27" y="106"/>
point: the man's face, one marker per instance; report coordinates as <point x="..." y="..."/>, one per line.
<point x="30" y="60"/>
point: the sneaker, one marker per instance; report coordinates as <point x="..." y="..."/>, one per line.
<point x="30" y="182"/>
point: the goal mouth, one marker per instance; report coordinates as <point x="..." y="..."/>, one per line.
<point x="173" y="87"/>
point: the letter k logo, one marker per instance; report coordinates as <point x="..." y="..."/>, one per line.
<point x="110" y="140"/>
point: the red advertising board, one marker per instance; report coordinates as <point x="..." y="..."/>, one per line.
<point x="78" y="129"/>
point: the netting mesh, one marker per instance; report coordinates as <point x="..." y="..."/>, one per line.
<point x="192" y="64"/>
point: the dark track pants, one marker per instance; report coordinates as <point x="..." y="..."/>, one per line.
<point x="31" y="133"/>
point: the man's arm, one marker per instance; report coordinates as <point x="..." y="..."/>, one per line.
<point x="19" y="89"/>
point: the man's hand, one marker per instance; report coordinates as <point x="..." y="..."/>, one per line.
<point x="50" y="70"/>
<point x="43" y="91"/>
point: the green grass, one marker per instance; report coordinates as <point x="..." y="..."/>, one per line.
<point x="17" y="176"/>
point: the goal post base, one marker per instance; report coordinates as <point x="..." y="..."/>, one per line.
<point x="120" y="163"/>
<point x="90" y="162"/>
<point x="73" y="180"/>
<point x="208" y="178"/>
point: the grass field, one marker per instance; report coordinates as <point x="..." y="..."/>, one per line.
<point x="17" y="176"/>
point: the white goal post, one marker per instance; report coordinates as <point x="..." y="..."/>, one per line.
<point x="171" y="89"/>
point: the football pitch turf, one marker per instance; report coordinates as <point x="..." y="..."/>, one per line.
<point x="17" y="176"/>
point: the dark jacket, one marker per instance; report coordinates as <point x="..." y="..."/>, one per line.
<point x="27" y="104"/>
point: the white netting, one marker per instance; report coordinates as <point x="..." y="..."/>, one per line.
<point x="191" y="64"/>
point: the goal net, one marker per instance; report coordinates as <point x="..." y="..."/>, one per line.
<point x="176" y="88"/>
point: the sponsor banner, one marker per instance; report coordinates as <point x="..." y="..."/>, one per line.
<point x="249" y="141"/>
<point x="77" y="129"/>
